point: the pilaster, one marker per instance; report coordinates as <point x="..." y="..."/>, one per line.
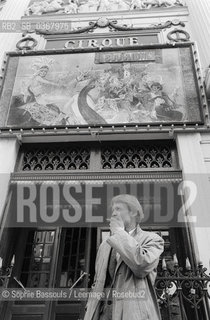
<point x="196" y="200"/>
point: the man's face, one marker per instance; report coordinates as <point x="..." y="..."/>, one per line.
<point x="122" y="209"/>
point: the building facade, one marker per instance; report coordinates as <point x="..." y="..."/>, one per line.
<point x="100" y="98"/>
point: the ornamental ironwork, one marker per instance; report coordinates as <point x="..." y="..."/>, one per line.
<point x="72" y="158"/>
<point x="183" y="293"/>
<point x="136" y="157"/>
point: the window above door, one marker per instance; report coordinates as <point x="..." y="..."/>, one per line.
<point x="102" y="156"/>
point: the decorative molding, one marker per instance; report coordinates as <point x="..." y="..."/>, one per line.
<point x="95" y="177"/>
<point x="136" y="157"/>
<point x="133" y="157"/>
<point x="112" y="25"/>
<point x="94" y="6"/>
<point x="65" y="158"/>
<point x="178" y="35"/>
<point x="27" y="43"/>
<point x="98" y="134"/>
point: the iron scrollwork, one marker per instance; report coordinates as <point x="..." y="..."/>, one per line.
<point x="48" y="159"/>
<point x="136" y="157"/>
<point x="182" y="292"/>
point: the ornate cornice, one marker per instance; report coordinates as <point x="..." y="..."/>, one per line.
<point x="96" y="177"/>
<point x="74" y="8"/>
<point x="112" y="25"/>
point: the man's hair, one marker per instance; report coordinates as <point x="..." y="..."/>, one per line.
<point x="132" y="203"/>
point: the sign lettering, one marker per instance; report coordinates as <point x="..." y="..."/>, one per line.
<point x="130" y="56"/>
<point x="109" y="42"/>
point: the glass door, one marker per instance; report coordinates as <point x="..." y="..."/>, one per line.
<point x="35" y="265"/>
<point x="75" y="269"/>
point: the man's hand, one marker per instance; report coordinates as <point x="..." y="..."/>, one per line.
<point x="116" y="222"/>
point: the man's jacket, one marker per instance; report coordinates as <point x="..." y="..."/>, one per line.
<point x="135" y="273"/>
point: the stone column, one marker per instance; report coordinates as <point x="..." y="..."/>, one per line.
<point x="199" y="18"/>
<point x="194" y="170"/>
<point x="12" y="10"/>
<point x="9" y="148"/>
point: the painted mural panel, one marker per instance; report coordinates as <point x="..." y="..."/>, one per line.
<point x="39" y="7"/>
<point x="110" y="87"/>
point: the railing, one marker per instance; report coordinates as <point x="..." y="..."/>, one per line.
<point x="183" y="293"/>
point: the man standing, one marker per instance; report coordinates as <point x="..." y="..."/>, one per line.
<point x="126" y="263"/>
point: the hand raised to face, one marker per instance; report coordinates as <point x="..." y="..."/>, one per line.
<point x="116" y="222"/>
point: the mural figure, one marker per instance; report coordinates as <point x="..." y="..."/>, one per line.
<point x="41" y="97"/>
<point x="164" y="106"/>
<point x="125" y="97"/>
<point x="38" y="104"/>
